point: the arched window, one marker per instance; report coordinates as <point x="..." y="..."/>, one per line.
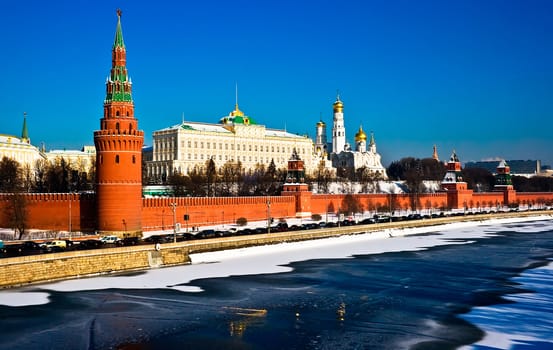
<point x="117" y="159"/>
<point x="101" y="159"/>
<point x="117" y="113"/>
<point x="133" y="159"/>
<point x="130" y="126"/>
<point x="117" y="126"/>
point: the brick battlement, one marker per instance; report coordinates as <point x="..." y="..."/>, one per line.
<point x="59" y="211"/>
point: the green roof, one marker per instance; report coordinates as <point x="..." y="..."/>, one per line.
<point x="118" y="42"/>
<point x="238" y="120"/>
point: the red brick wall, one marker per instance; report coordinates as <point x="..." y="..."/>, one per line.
<point x="534" y="198"/>
<point x="322" y="203"/>
<point x="157" y="213"/>
<point x="51" y="211"/>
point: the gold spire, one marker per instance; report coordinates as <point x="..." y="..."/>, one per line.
<point x="435" y="154"/>
<point x="237" y="112"/>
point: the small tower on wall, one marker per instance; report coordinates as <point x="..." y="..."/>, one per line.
<point x="458" y="196"/>
<point x="504" y="183"/>
<point x="119" y="152"/>
<point x="295" y="185"/>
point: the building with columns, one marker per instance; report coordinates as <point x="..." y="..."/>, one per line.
<point x="236" y="138"/>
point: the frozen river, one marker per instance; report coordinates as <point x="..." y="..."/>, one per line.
<point x="470" y="286"/>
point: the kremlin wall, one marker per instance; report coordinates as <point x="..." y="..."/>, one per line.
<point x="74" y="212"/>
<point x="118" y="207"/>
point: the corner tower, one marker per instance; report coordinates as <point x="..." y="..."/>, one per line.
<point x="119" y="152"/>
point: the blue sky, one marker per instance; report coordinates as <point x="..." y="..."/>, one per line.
<point x="474" y="76"/>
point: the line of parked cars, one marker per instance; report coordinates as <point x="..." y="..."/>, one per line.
<point x="30" y="247"/>
<point x="60" y="245"/>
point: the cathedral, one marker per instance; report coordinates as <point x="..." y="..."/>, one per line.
<point x="342" y="155"/>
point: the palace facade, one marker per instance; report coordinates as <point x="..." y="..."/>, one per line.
<point x="236" y="138"/>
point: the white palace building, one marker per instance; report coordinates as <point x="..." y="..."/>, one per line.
<point x="184" y="147"/>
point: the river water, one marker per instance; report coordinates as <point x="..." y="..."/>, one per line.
<point x="468" y="286"/>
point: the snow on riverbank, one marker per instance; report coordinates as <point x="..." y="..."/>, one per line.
<point x="275" y="258"/>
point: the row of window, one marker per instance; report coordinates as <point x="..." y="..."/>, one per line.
<point x="213" y="145"/>
<point x="171" y="155"/>
<point x="220" y="157"/>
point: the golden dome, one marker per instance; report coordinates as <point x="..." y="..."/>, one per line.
<point x="360" y="136"/>
<point x="338" y="106"/>
<point x="321" y="123"/>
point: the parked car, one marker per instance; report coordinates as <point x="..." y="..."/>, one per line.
<point x="159" y="239"/>
<point x="89" y="244"/>
<point x="30" y="247"/>
<point x="367" y="221"/>
<point x="54" y="246"/>
<point x="110" y="240"/>
<point x="184" y="236"/>
<point x="129" y="241"/>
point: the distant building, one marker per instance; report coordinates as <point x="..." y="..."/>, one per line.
<point x="343" y="156"/>
<point x="20" y="149"/>
<point x="526" y="168"/>
<point x="83" y="160"/>
<point x="236" y="138"/>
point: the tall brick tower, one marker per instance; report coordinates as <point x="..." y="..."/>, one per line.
<point x="119" y="152"/>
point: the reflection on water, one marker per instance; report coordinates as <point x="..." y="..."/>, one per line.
<point x="341" y="312"/>
<point x="248" y="317"/>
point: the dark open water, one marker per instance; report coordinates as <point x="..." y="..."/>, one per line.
<point x="444" y="297"/>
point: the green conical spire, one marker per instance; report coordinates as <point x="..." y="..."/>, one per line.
<point x="371" y="141"/>
<point x="24" y="131"/>
<point x="118" y="42"/>
<point x="118" y="84"/>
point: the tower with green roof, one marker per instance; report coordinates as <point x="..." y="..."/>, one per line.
<point x="119" y="151"/>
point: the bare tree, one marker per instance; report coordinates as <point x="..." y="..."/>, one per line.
<point x="352" y="204"/>
<point x="10" y="175"/>
<point x="17" y="212"/>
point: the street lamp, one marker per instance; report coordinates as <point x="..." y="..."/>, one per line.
<point x="268" y="216"/>
<point x="69" y="216"/>
<point x="174" y="208"/>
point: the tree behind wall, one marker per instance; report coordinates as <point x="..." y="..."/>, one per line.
<point x="352" y="204"/>
<point x="10" y="175"/>
<point x="17" y="212"/>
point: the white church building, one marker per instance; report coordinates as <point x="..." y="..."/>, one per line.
<point x="342" y="155"/>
